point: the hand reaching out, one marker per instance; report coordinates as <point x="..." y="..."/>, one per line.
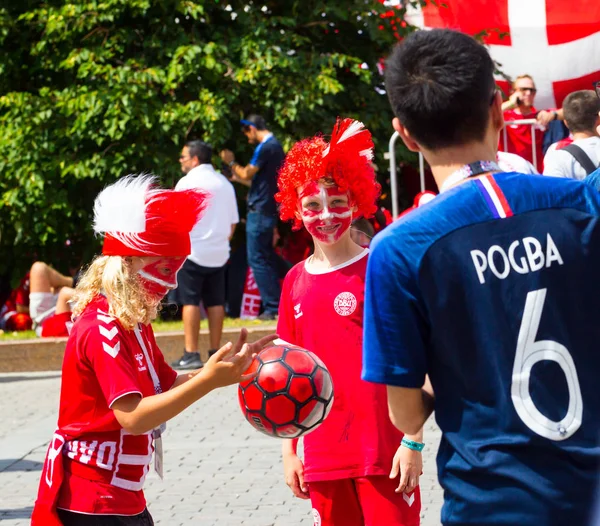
<point x="228" y="365"/>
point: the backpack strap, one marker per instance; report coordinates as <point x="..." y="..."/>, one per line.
<point x="581" y="157"/>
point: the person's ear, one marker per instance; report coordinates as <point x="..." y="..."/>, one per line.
<point x="411" y="144"/>
<point x="497" y="115"/>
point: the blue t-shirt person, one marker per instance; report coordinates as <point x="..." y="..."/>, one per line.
<point x="268" y="158"/>
<point x="593" y="179"/>
<point x="493" y="290"/>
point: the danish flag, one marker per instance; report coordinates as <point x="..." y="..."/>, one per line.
<point x="557" y="42"/>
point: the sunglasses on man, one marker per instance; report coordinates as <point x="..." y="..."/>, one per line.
<point x="532" y="90"/>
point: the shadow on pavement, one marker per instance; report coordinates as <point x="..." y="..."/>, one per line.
<point x="17" y="513"/>
<point x="22" y="378"/>
<point x="15" y="464"/>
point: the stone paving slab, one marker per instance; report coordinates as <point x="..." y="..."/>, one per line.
<point x="218" y="470"/>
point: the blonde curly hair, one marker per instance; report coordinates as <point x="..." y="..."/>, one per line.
<point x="127" y="300"/>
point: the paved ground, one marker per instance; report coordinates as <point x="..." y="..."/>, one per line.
<point x="218" y="470"/>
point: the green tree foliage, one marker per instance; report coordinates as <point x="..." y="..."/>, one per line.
<point x="91" y="90"/>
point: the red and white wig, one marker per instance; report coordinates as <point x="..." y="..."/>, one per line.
<point x="346" y="159"/>
<point x="138" y="218"/>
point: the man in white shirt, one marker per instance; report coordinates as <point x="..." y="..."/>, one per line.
<point x="202" y="277"/>
<point x="511" y="162"/>
<point x="582" y="157"/>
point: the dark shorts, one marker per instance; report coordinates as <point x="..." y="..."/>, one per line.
<point x="196" y="283"/>
<point x="70" y="518"/>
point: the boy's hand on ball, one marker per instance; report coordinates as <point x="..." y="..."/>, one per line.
<point x="293" y="470"/>
<point x="409" y="464"/>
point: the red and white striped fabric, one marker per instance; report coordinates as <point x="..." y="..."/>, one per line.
<point x="554" y="41"/>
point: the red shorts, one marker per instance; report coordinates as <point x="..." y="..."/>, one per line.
<point x="56" y="325"/>
<point x="364" y="501"/>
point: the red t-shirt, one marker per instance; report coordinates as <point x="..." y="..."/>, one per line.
<point x="518" y="137"/>
<point x="18" y="296"/>
<point x="324" y="314"/>
<point x="104" y="465"/>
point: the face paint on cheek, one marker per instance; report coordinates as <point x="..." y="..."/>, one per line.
<point x="331" y="231"/>
<point x="328" y="223"/>
<point x="159" y="277"/>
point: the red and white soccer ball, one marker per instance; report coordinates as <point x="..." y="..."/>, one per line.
<point x="290" y="396"/>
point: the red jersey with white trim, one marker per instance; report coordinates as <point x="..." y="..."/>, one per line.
<point x="324" y="314"/>
<point x="104" y="465"/>
<point x="519" y="137"/>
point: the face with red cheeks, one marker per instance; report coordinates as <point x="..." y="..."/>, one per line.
<point x="325" y="210"/>
<point x="158" y="275"/>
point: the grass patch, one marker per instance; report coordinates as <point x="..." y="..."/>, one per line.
<point x="17" y="335"/>
<point x="229" y="323"/>
<point x="159" y="326"/>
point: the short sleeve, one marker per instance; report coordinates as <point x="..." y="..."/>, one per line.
<point x="593" y="179"/>
<point x="112" y="361"/>
<point x="395" y="328"/>
<point x="556" y="164"/>
<point x="166" y="374"/>
<point x="235" y="216"/>
<point x="181" y="184"/>
<point x="258" y="156"/>
<point x="285" y="321"/>
<point x="22" y="296"/>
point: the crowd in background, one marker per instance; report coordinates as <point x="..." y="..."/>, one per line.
<point x="217" y="281"/>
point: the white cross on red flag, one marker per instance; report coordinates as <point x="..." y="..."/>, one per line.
<point x="557" y="42"/>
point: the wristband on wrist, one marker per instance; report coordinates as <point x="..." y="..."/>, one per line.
<point x="555" y="115"/>
<point x="411" y="444"/>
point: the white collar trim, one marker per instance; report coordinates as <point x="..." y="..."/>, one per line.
<point x="337" y="267"/>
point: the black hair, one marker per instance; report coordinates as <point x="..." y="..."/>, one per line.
<point x="440" y="84"/>
<point x="257" y="121"/>
<point x="581" y="111"/>
<point x="201" y="150"/>
<point x="365" y="226"/>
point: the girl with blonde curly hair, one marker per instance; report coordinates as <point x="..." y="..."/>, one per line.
<point x="117" y="390"/>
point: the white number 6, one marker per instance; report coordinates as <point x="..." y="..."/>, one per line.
<point x="530" y="352"/>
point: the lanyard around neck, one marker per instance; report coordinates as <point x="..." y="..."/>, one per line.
<point x="469" y="170"/>
<point x="151" y="370"/>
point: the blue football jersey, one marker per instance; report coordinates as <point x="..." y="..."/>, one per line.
<point x="493" y="290"/>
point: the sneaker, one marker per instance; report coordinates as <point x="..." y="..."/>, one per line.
<point x="268" y="316"/>
<point x="189" y="360"/>
<point x="211" y="352"/>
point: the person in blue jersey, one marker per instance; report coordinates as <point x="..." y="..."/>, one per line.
<point x="261" y="220"/>
<point x="492" y="292"/>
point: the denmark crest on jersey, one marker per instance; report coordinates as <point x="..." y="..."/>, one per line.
<point x="345" y="303"/>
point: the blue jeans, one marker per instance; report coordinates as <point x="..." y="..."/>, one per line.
<point x="262" y="258"/>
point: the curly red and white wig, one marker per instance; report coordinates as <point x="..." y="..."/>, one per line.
<point x="346" y="159"/>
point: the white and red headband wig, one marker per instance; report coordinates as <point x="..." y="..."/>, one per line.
<point x="137" y="218"/>
<point x="346" y="159"/>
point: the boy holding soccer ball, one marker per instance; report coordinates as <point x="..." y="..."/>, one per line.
<point x="353" y="460"/>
